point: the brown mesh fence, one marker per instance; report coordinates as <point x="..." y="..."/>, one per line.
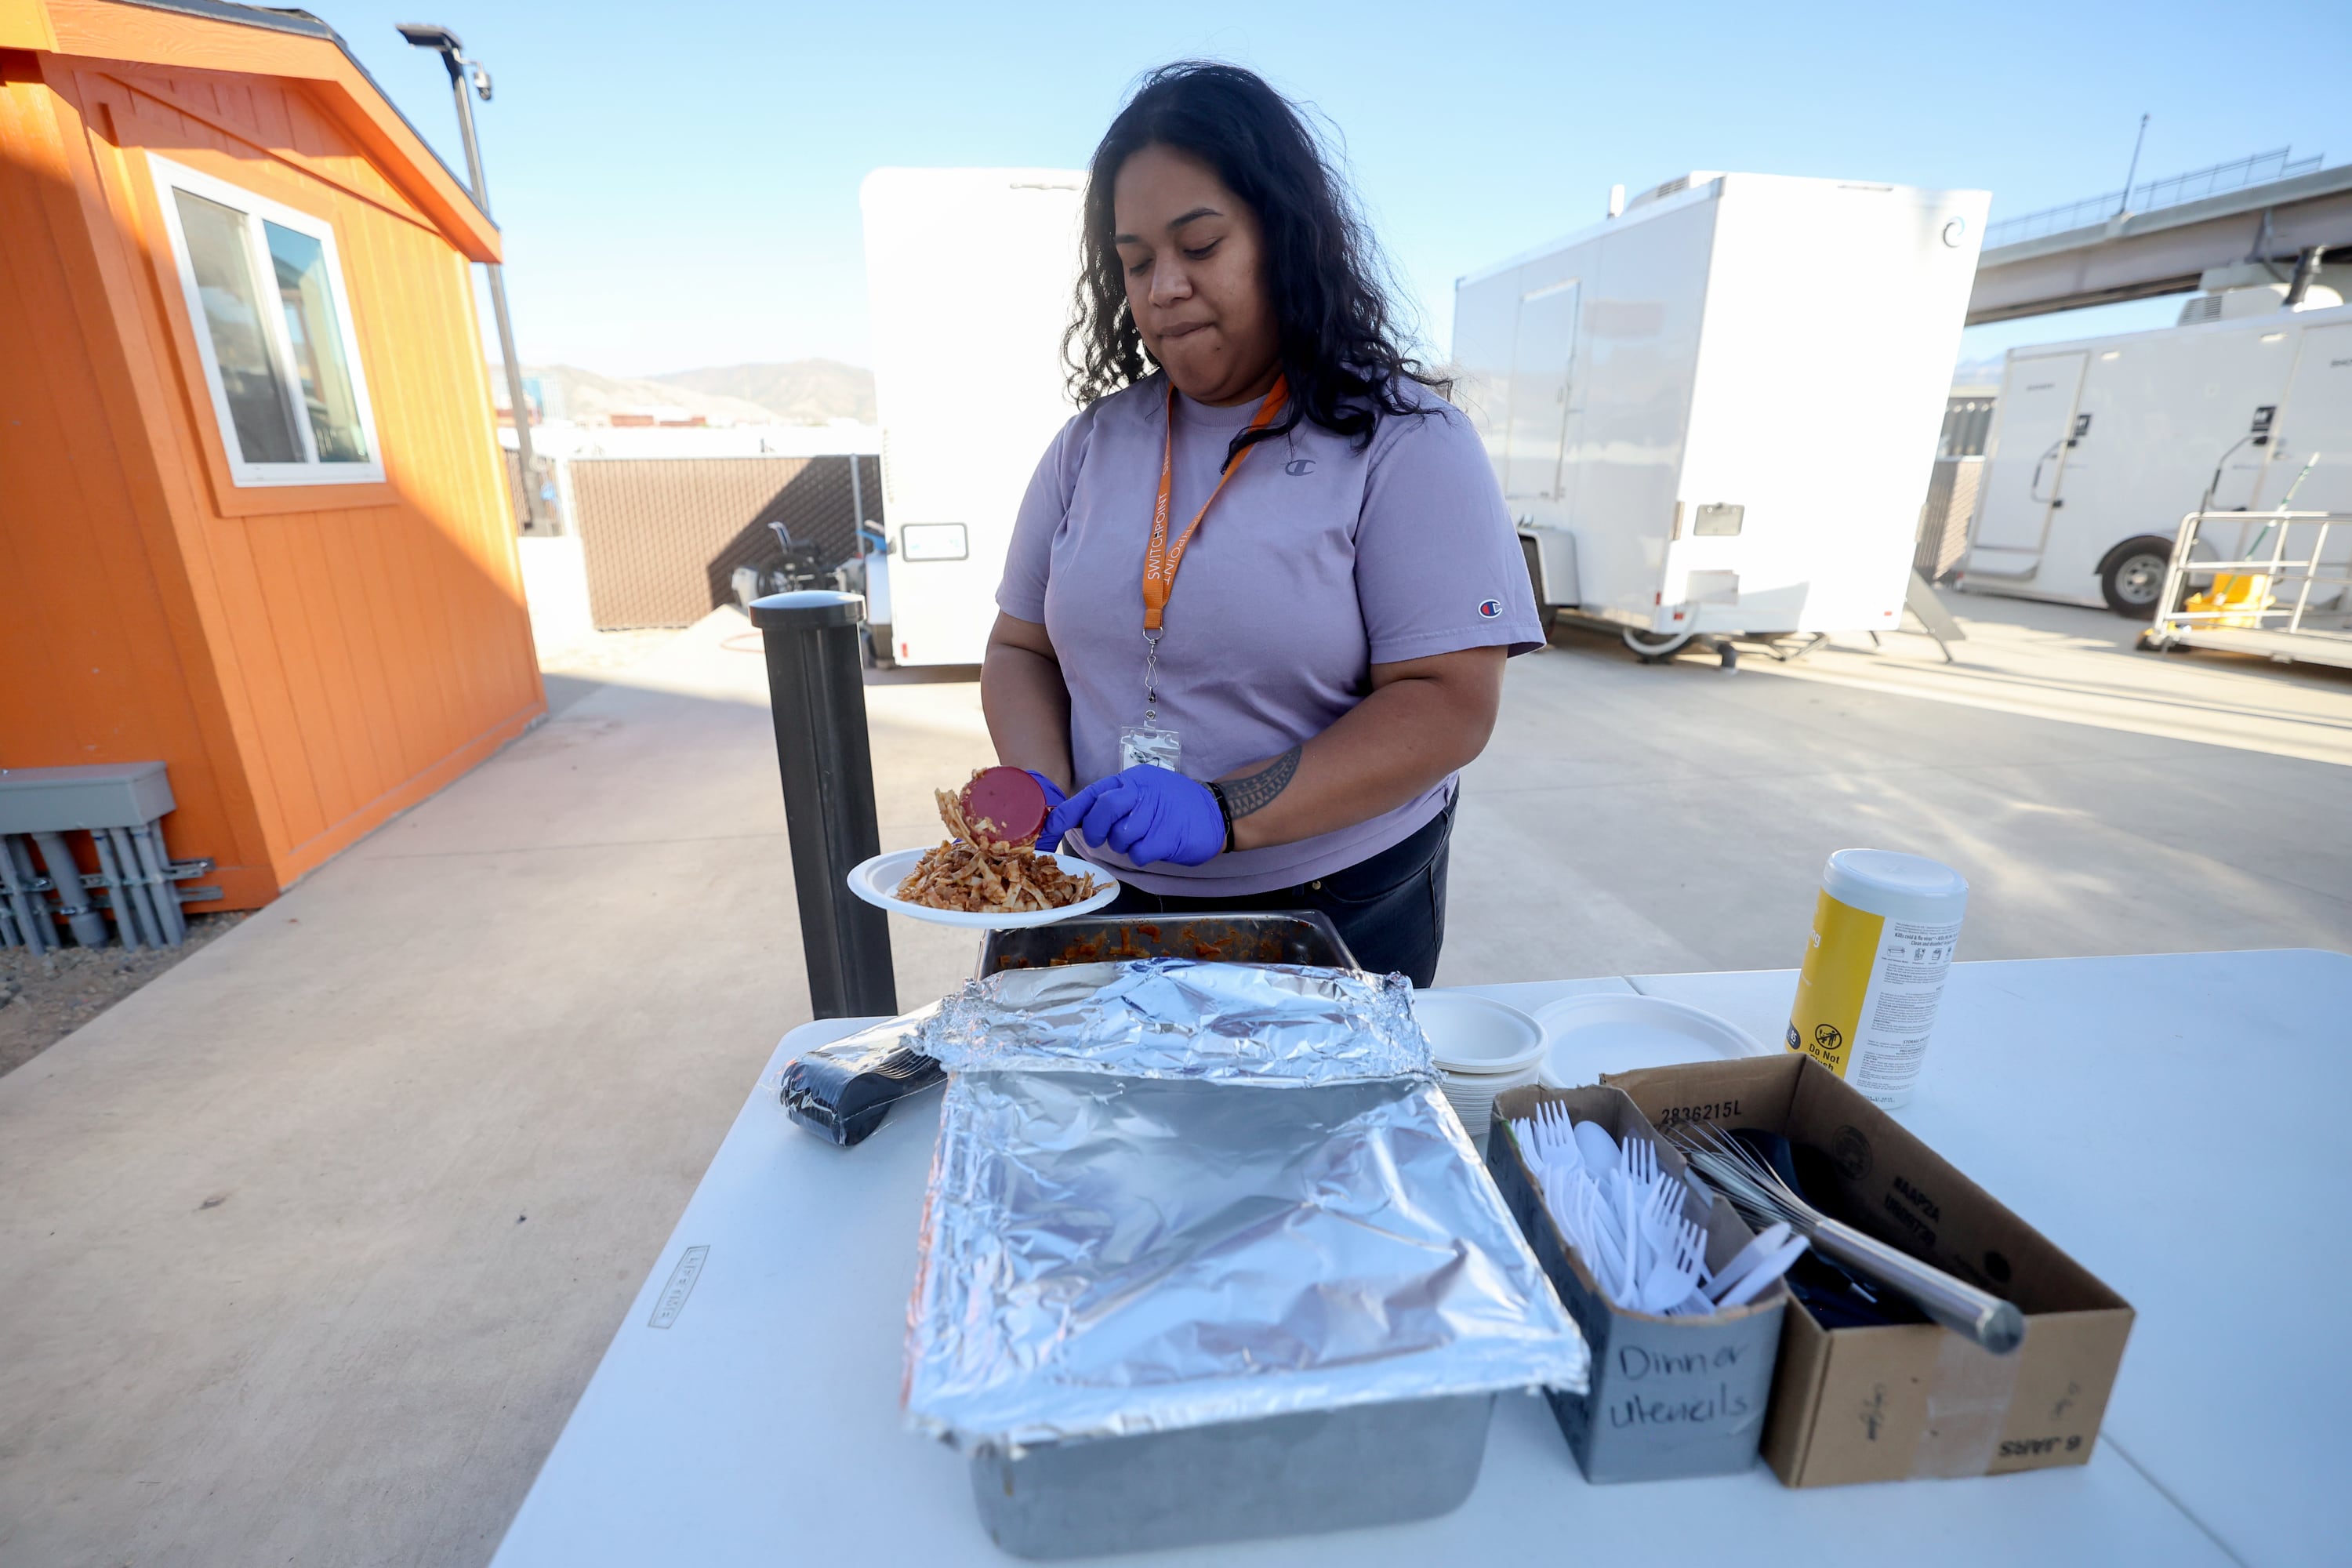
<point x="661" y="537"/>
<point x="514" y="493"/>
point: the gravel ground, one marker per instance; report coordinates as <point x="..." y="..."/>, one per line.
<point x="43" y="1000"/>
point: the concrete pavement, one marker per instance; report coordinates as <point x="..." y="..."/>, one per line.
<point x="2099" y="800"/>
<point x="309" y="1245"/>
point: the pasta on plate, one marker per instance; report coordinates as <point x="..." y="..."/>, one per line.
<point x="977" y="873"/>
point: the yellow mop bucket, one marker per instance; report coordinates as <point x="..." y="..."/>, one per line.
<point x="2234" y="591"/>
<point x="2246" y="591"/>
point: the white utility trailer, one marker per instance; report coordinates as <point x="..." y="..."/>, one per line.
<point x="969" y="275"/>
<point x="1716" y="413"/>
<point x="2102" y="446"/>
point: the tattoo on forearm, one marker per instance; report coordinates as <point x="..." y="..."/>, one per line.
<point x="1257" y="791"/>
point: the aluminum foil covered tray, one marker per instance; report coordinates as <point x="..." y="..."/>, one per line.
<point x="1170" y="1194"/>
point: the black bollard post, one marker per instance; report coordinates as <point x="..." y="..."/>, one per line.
<point x="816" y="692"/>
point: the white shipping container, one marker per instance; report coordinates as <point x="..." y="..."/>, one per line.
<point x="1718" y="412"/>
<point x="968" y="274"/>
<point x="2100" y="446"/>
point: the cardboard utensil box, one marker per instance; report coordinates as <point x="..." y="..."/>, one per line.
<point x="1915" y="1400"/>
<point x="1669" y="1396"/>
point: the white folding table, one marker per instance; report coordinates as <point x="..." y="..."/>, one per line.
<point x="2168" y="1119"/>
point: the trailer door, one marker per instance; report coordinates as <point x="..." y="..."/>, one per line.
<point x="1535" y="472"/>
<point x="2023" y="485"/>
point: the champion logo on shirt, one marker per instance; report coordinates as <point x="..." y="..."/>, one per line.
<point x="1298" y="467"/>
<point x="1489" y="609"/>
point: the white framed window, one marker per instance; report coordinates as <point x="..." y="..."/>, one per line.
<point x="273" y="322"/>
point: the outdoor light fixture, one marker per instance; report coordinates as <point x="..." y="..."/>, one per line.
<point x="426" y="36"/>
<point x="442" y="41"/>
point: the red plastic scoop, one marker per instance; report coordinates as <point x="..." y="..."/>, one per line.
<point x="1012" y="802"/>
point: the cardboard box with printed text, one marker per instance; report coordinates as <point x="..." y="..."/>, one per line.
<point x="1916" y="1400"/>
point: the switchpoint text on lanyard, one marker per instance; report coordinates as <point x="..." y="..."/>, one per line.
<point x="1147" y="744"/>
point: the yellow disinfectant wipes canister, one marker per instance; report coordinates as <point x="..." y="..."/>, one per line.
<point x="1884" y="930"/>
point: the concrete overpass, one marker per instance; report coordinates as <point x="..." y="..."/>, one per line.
<point x="2139" y="255"/>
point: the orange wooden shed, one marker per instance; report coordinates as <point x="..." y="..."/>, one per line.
<point x="253" y="517"/>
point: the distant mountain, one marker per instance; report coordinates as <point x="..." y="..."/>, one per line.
<point x="799" y="392"/>
<point x="802" y="392"/>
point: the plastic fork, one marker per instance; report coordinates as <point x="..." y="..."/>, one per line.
<point x="1608" y="1250"/>
<point x="1641" y="1160"/>
<point x="1663" y="1204"/>
<point x="1666" y="1287"/>
<point x="1554" y="1126"/>
<point x="1578" y="1217"/>
<point x="1529" y="1132"/>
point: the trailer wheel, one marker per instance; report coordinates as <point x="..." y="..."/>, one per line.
<point x="1655" y="646"/>
<point x="2131" y="578"/>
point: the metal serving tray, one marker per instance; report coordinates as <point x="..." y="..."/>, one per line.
<point x="1286" y="936"/>
<point x="842" y="1093"/>
<point x="1206" y="1259"/>
<point x="1237" y="1480"/>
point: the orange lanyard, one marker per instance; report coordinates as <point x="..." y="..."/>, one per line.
<point x="1161" y="559"/>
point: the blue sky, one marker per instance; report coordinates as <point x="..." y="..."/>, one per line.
<point x="678" y="185"/>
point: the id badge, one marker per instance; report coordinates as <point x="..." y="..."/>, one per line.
<point x="1147" y="748"/>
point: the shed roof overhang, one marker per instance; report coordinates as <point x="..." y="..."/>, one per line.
<point x="211" y="35"/>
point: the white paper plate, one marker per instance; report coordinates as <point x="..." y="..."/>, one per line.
<point x="1477" y="1034"/>
<point x="875" y="881"/>
<point x="1585" y="1036"/>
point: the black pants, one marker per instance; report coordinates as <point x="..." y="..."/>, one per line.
<point x="1390" y="908"/>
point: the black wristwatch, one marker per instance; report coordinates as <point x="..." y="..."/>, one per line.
<point x="1226" y="810"/>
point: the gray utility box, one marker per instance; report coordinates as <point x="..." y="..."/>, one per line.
<point x="1670" y="1397"/>
<point x="61" y="800"/>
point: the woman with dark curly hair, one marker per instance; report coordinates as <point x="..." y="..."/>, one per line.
<point x="1281" y="726"/>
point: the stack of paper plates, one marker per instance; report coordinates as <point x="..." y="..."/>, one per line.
<point x="1481" y="1046"/>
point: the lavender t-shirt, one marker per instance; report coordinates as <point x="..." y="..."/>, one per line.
<point x="1318" y="560"/>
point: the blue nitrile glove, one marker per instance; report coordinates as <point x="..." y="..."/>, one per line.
<point x="1053" y="797"/>
<point x="1146" y="813"/>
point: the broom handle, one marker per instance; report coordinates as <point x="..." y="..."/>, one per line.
<point x="1994" y="1323"/>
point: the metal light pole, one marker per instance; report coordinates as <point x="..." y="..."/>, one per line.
<point x="442" y="41"/>
<point x="2132" y="173"/>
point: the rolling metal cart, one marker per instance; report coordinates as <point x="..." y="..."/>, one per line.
<point x="2277" y="596"/>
